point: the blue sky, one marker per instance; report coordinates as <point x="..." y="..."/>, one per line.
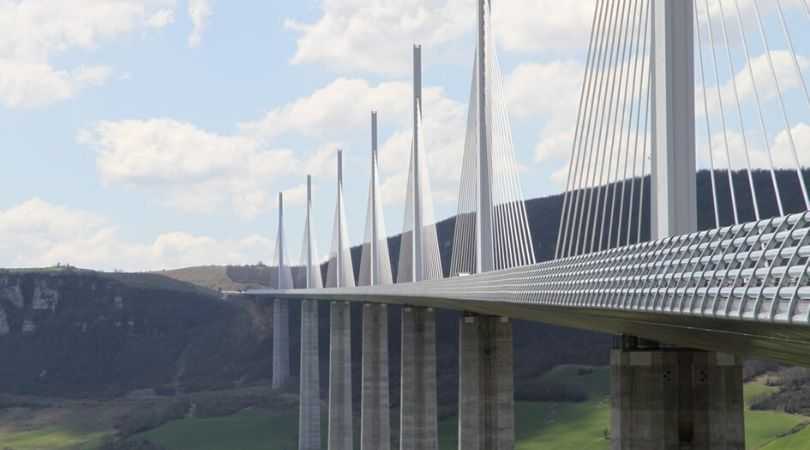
<point x="148" y="134"/>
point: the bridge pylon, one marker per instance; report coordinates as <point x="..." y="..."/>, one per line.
<point x="491" y="233"/>
<point x="419" y="260"/>
<point x="375" y="269"/>
<point x="664" y="397"/>
<point x="281" y="312"/>
<point x="340" y="274"/>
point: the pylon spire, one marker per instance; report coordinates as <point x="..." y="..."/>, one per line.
<point x="375" y="262"/>
<point x="309" y="249"/>
<point x="484" y="234"/>
<point x="284" y="271"/>
<point x="417" y="188"/>
<point x="419" y="257"/>
<point x="341" y="271"/>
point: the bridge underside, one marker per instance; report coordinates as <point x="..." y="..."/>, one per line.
<point x="781" y="342"/>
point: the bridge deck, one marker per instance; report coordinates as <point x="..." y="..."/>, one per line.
<point x="741" y="289"/>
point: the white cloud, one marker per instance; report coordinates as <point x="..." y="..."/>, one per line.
<point x="549" y="93"/>
<point x="554" y="144"/>
<point x="746" y="8"/>
<point x="38" y="233"/>
<point x="547" y="25"/>
<point x="780" y="146"/>
<point x="199" y="171"/>
<point x="30" y="84"/>
<point x="783" y="150"/>
<point x="548" y="90"/>
<point x="322" y="161"/>
<point x="163" y="151"/>
<point x="33" y="31"/>
<point x="161" y="18"/>
<point x="560" y="176"/>
<point x="339" y="108"/>
<point x="784" y="69"/>
<point x="375" y="36"/>
<point x="393" y="187"/>
<point x="296" y="195"/>
<point x="200" y="12"/>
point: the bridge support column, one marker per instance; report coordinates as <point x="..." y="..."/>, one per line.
<point x="281" y="343"/>
<point x="486" y="385"/>
<point x="675" y="399"/>
<point x="309" y="417"/>
<point x="665" y="398"/>
<point x="419" y="411"/>
<point x="375" y="411"/>
<point x="340" y="378"/>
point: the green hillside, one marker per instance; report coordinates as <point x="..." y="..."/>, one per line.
<point x="539" y="425"/>
<point x="272" y="425"/>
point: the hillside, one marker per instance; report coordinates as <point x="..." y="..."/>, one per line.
<point x="81" y="333"/>
<point x="146" y="341"/>
<point x="258" y="419"/>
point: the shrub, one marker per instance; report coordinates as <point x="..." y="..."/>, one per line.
<point x="754" y="368"/>
<point x="795" y="377"/>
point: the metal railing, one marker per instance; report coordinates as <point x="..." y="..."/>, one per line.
<point x="755" y="271"/>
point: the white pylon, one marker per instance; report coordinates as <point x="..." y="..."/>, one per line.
<point x="375" y="262"/>
<point x="674" y="184"/>
<point x="492" y="229"/>
<point x="281" y="331"/>
<point x="285" y="280"/>
<point x="309" y="248"/>
<point x="341" y="271"/>
<point x="485" y="259"/>
<point x="419" y="257"/>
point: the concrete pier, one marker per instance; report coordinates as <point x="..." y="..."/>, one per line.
<point x="281" y="343"/>
<point x="670" y="398"/>
<point x="676" y="399"/>
<point x="375" y="416"/>
<point x="486" y="384"/>
<point x="309" y="418"/>
<point x="419" y="412"/>
<point x="340" y="378"/>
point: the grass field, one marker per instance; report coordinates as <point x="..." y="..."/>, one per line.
<point x="247" y="430"/>
<point x="795" y="441"/>
<point x="51" y="438"/>
<point x="72" y="425"/>
<point x="538" y="425"/>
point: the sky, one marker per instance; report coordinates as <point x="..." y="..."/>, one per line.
<point x="156" y="134"/>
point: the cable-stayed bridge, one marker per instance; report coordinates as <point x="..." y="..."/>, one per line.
<point x="687" y="304"/>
